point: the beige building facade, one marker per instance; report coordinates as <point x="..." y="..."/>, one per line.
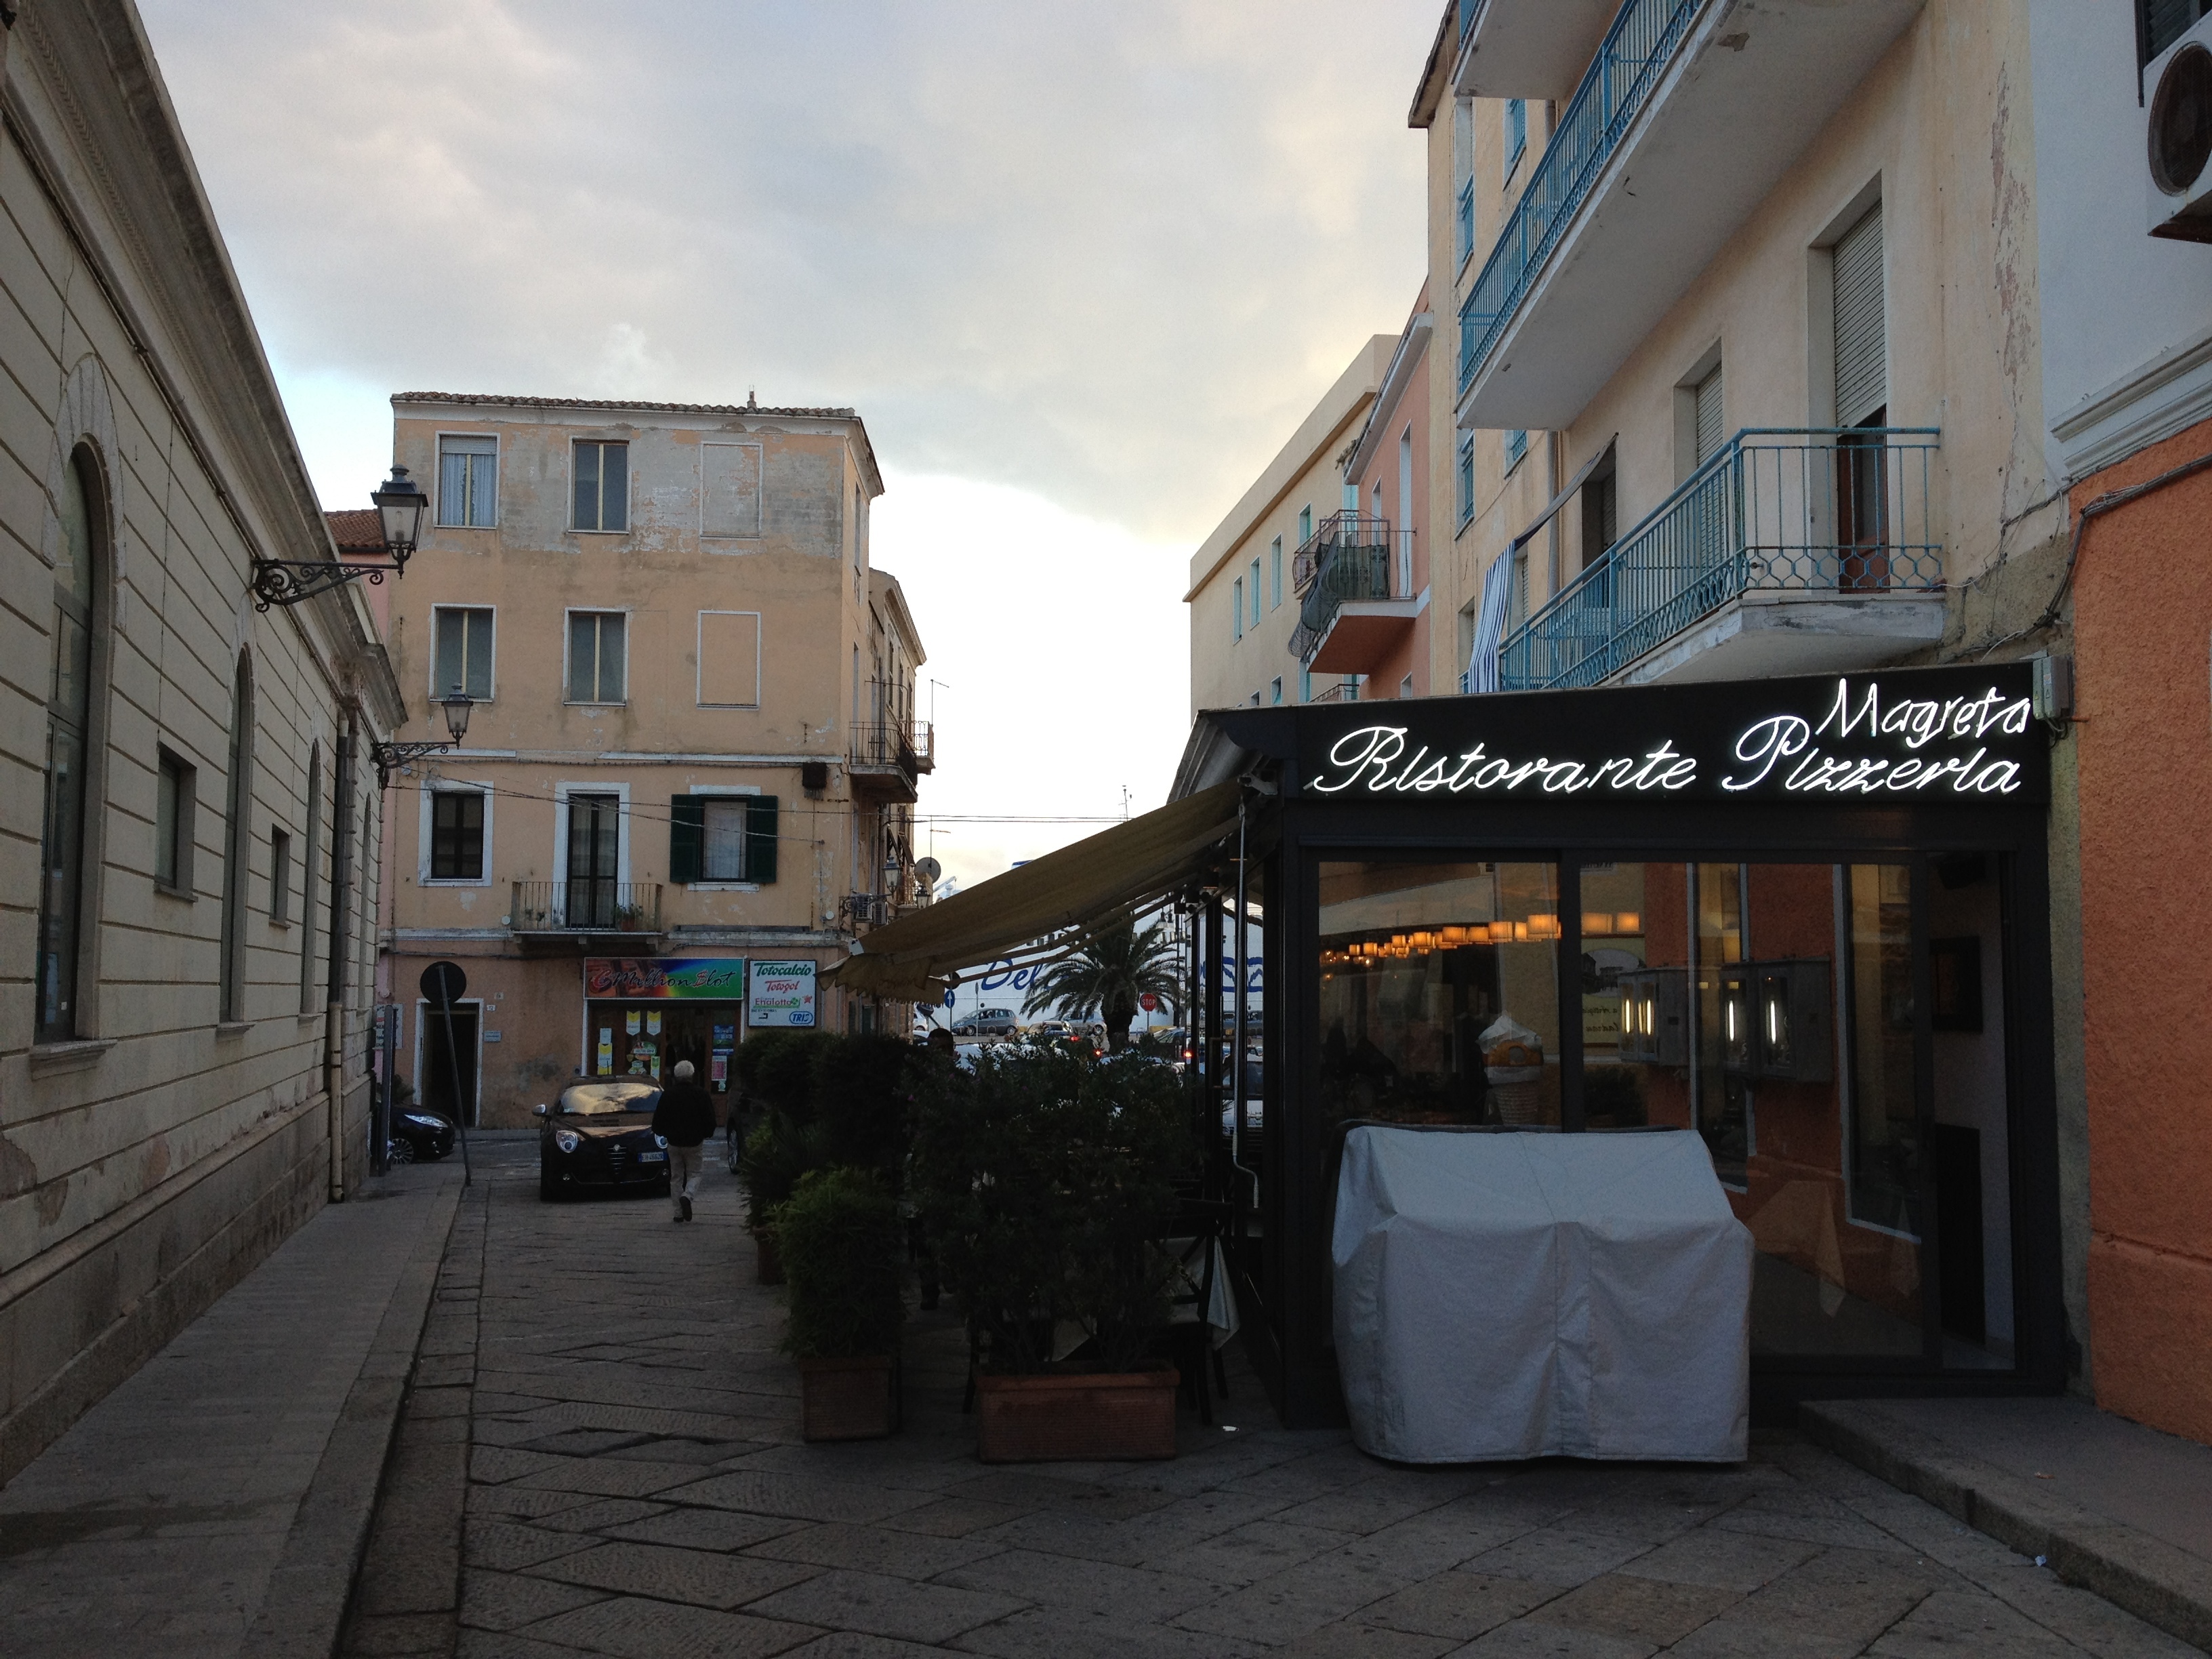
<point x="688" y="779"/>
<point x="1245" y="593"/>
<point x="192" y="822"/>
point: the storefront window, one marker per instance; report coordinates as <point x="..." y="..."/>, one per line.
<point x="1439" y="994"/>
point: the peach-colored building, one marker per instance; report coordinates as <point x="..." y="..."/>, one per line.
<point x="692" y="759"/>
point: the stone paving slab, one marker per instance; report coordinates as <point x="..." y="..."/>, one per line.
<point x="216" y="1502"/>
<point x="607" y="1511"/>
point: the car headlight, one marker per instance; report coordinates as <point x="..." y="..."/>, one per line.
<point x="661" y="1141"/>
<point x="566" y="1140"/>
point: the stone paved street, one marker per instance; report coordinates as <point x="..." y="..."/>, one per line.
<point x="603" y="1419"/>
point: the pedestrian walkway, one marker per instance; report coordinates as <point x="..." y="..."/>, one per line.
<point x="634" y="1484"/>
<point x="214" y="1503"/>
<point x="2110" y="1505"/>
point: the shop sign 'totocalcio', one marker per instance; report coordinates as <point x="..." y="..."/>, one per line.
<point x="1947" y="736"/>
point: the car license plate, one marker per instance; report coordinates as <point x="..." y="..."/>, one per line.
<point x="653" y="1157"/>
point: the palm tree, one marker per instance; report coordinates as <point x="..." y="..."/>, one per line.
<point x="1107" y="975"/>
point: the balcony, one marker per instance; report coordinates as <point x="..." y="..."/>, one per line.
<point x="1786" y="553"/>
<point x="1350" y="618"/>
<point x="1526" y="48"/>
<point x="887" y="756"/>
<point x="571" y="910"/>
<point x="1688" y="115"/>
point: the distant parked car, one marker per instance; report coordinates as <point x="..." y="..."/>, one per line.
<point x="986" y="1023"/>
<point x="599" y="1138"/>
<point x="417" y="1136"/>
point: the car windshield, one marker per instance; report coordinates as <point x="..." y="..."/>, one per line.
<point x="610" y="1099"/>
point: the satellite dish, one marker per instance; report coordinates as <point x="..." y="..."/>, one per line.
<point x="928" y="870"/>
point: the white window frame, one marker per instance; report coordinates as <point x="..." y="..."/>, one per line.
<point x="594" y="787"/>
<point x="699" y="647"/>
<point x="760" y="504"/>
<point x="430" y="668"/>
<point x="725" y="791"/>
<point x="568" y="637"/>
<point x="629" y="489"/>
<point x="425" y="789"/>
<point x="438" y="473"/>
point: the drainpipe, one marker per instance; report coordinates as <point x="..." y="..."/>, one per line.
<point x="341" y="912"/>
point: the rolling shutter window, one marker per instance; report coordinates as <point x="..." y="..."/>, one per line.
<point x="761" y="832"/>
<point x="687" y="837"/>
<point x="1710" y="428"/>
<point x="1862" y="378"/>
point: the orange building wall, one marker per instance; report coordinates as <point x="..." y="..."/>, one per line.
<point x="2143" y="620"/>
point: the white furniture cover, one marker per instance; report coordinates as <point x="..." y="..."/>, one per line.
<point x="1511" y="1295"/>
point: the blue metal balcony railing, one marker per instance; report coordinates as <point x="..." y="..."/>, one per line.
<point x="1468" y="11"/>
<point x="1837" y="512"/>
<point x="1346" y="557"/>
<point x="1466" y="221"/>
<point x="1614" y="92"/>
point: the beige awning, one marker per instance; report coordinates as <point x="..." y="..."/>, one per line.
<point x="1044" y="900"/>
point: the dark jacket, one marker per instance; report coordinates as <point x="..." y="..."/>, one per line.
<point x="685" y="1116"/>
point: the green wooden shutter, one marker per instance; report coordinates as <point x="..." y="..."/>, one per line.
<point x="687" y="837"/>
<point x="760" y="839"/>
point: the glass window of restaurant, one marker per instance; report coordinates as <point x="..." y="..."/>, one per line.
<point x="1835" y="1031"/>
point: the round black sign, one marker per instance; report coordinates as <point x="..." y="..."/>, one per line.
<point x="443" y="983"/>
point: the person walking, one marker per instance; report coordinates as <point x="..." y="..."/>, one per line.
<point x="684" y="1118"/>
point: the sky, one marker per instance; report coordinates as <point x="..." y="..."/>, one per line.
<point x="1082" y="269"/>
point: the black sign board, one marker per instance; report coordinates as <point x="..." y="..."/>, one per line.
<point x="443" y="982"/>
<point x="1952" y="736"/>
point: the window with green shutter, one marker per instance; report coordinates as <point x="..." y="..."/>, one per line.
<point x="760" y="839"/>
<point x="686" y="835"/>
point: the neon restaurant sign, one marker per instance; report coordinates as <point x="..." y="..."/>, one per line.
<point x="1938" y="736"/>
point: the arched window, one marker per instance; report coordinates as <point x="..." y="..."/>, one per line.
<point x="237" y="844"/>
<point x="69" y="752"/>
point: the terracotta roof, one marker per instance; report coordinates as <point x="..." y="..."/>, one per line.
<point x="481" y="397"/>
<point x="356" y="530"/>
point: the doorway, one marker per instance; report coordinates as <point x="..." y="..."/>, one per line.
<point x="434" y="1060"/>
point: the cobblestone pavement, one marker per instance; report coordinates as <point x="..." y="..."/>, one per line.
<point x="634" y="1484"/>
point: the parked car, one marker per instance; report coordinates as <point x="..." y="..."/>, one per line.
<point x="988" y="1023"/>
<point x="598" y="1137"/>
<point x="1051" y="1030"/>
<point x="417" y="1136"/>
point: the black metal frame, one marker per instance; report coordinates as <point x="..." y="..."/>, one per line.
<point x="389" y="757"/>
<point x="1284" y="1279"/>
<point x="295" y="582"/>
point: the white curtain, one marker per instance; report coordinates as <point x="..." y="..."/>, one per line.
<point x="1490" y="625"/>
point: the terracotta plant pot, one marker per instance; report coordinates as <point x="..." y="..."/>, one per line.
<point x="768" y="1266"/>
<point x="1102" y="1418"/>
<point x="848" y="1399"/>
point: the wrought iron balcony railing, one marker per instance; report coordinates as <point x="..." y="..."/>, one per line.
<point x="1841" y="512"/>
<point x="585" y="907"/>
<point x="1347" y="558"/>
<point x="909" y="745"/>
<point x="1613" y="94"/>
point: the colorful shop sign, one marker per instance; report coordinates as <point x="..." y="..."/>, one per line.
<point x="714" y="978"/>
<point x="782" y="993"/>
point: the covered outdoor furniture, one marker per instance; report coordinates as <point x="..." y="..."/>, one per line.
<point x="1532" y="1294"/>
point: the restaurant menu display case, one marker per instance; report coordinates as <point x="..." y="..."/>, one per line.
<point x="1806" y="920"/>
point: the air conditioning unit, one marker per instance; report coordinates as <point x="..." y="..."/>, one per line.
<point x="2177" y="134"/>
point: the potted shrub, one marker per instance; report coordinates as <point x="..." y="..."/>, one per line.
<point x="839" y="1236"/>
<point x="1045" y="1180"/>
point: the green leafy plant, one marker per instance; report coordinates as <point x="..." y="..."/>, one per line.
<point x="857" y="1092"/>
<point x="778" y="1154"/>
<point x="1044" y="1179"/>
<point x="1106" y="976"/>
<point x="839" y="1235"/>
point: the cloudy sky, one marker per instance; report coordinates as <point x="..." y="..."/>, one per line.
<point x="1081" y="267"/>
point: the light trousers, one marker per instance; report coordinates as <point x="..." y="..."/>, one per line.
<point x="682" y="1174"/>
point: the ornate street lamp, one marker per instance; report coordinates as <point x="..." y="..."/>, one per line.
<point x="389" y="756"/>
<point x="399" y="505"/>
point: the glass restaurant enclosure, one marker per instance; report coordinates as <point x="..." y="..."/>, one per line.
<point x="1805" y="919"/>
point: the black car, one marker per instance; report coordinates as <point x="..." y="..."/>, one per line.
<point x="417" y="1136"/>
<point x="599" y="1138"/>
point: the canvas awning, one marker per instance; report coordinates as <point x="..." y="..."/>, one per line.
<point x="1044" y="900"/>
